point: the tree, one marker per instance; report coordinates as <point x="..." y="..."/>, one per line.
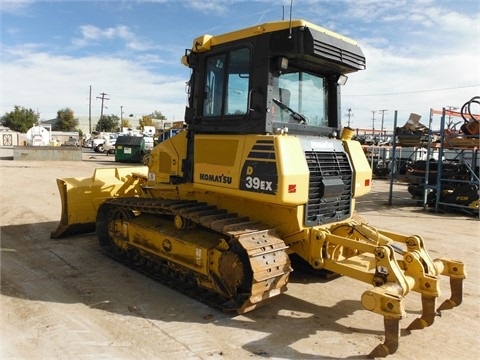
<point x="108" y="123"/>
<point x="157" y="115"/>
<point x="65" y="120"/>
<point x="125" y="124"/>
<point x="20" y="119"/>
<point x="158" y="119"/>
<point x="146" y="120"/>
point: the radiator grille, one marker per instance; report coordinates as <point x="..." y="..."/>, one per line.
<point x="327" y="202"/>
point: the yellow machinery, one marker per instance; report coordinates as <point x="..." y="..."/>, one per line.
<point x="259" y="176"/>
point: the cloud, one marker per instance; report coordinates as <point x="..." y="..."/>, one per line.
<point x="14" y="6"/>
<point x="420" y="54"/>
<point x="217" y="7"/>
<point x="372" y="10"/>
<point x="63" y="81"/>
<point x="93" y="35"/>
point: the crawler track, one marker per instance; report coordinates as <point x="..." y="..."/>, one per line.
<point x="269" y="265"/>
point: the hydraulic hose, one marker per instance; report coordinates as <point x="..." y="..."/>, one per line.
<point x="472" y="121"/>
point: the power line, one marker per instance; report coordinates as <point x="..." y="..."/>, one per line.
<point x="415" y="92"/>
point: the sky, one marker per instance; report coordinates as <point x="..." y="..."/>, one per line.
<point x="421" y="54"/>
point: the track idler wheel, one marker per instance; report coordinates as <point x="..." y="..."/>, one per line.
<point x="107" y="214"/>
<point x="181" y="223"/>
<point x="232" y="272"/>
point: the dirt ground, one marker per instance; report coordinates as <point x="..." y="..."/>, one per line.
<point x="63" y="299"/>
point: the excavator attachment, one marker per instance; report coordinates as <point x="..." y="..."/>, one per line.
<point x="395" y="265"/>
<point x="81" y="197"/>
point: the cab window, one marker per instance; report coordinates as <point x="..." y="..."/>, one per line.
<point x="300" y="97"/>
<point x="227" y="83"/>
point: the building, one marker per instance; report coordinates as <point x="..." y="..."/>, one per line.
<point x="85" y="124"/>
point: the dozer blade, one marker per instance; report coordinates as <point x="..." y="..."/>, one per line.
<point x="81" y="197"/>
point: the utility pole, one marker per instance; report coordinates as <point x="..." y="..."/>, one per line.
<point x="383" y="115"/>
<point x="101" y="111"/>
<point x="349" y="115"/>
<point x="373" y="122"/>
<point x="121" y="119"/>
<point x="90" y="111"/>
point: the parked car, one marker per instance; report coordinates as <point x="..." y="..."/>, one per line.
<point x="71" y="142"/>
<point x="92" y="143"/>
<point x="97" y="144"/>
<point x="109" y="145"/>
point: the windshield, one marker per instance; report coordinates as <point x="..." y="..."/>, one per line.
<point x="300" y="98"/>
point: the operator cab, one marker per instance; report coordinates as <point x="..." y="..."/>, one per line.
<point x="273" y="78"/>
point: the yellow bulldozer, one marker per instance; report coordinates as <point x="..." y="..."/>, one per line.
<point x="261" y="178"/>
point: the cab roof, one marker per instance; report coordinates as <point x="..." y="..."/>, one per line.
<point x="205" y="42"/>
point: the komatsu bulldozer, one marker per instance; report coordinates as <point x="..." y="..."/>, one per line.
<point x="261" y="175"/>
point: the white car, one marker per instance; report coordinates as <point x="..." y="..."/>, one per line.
<point x="97" y="144"/>
<point x="109" y="145"/>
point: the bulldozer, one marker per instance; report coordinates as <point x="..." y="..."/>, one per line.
<point x="261" y="178"/>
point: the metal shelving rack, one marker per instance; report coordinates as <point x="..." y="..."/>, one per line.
<point x="440" y="179"/>
<point x="460" y="151"/>
<point x="394" y="166"/>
